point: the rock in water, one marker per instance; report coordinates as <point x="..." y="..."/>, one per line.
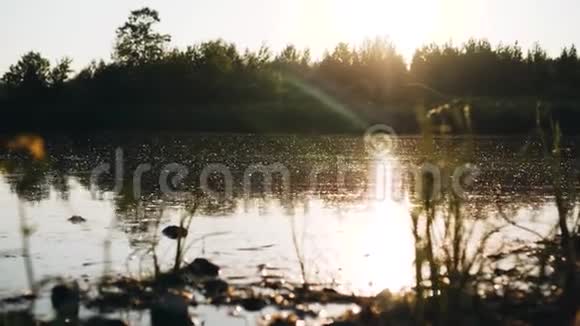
<point x="174" y="232"/>
<point x="171" y="310"/>
<point x="214" y="288"/>
<point x="202" y="267"/>
<point x="253" y="304"/>
<point x="75" y="219"/>
<point x="65" y="300"/>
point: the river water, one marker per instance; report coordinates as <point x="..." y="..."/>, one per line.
<point x="324" y="209"/>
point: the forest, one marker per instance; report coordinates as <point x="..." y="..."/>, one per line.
<point x="215" y="86"/>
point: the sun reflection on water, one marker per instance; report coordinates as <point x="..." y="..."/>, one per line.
<point x="384" y="236"/>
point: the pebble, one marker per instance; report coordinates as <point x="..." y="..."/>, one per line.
<point x="174" y="232"/>
<point x="75" y="219"/>
<point x="202" y="267"/>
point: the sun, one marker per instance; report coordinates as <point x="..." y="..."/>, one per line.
<point x="408" y="23"/>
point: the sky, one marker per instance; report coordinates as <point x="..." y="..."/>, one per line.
<point x="84" y="30"/>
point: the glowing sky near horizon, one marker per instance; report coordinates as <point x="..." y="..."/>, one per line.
<point x="84" y="30"/>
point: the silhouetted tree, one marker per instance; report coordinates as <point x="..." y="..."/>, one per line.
<point x="60" y="73"/>
<point x="213" y="86"/>
<point x="337" y="68"/>
<point x="567" y="72"/>
<point x="32" y="73"/>
<point x="381" y="70"/>
<point x="292" y="59"/>
<point x="538" y="69"/>
<point x="257" y="60"/>
<point x="137" y="43"/>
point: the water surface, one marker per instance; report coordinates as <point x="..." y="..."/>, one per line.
<point x="344" y="213"/>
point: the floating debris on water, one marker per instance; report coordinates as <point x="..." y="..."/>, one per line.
<point x="258" y="248"/>
<point x="175" y="232"/>
<point x="76" y="219"/>
<point x="202" y="267"/>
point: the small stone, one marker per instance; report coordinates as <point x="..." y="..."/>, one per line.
<point x="202" y="267"/>
<point x="214" y="288"/>
<point x="170" y="309"/>
<point x="75" y="219"/>
<point x="253" y="304"/>
<point x="174" y="232"/>
<point x="65" y="300"/>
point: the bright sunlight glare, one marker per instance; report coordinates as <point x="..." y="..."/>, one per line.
<point x="408" y="23"/>
<point x="386" y="237"/>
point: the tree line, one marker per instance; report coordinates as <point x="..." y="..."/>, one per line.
<point x="216" y="86"/>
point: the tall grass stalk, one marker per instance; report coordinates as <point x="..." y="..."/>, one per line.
<point x="564" y="187"/>
<point x="26" y="232"/>
<point x="450" y="246"/>
<point x="184" y="223"/>
<point x="298" y="250"/>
